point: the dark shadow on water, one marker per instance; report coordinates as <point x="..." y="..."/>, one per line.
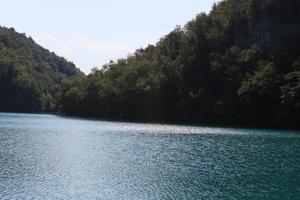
<point x="177" y="123"/>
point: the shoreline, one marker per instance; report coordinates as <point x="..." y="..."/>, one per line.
<point x="163" y="122"/>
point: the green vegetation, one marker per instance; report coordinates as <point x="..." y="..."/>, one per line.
<point x="30" y="76"/>
<point x="237" y="65"/>
<point x="231" y="66"/>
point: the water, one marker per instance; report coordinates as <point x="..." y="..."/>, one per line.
<point x="53" y="157"/>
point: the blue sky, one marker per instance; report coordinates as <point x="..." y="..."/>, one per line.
<point x="90" y="33"/>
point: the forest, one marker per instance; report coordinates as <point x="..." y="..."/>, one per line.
<point x="237" y="65"/>
<point x="233" y="66"/>
<point x="30" y="76"/>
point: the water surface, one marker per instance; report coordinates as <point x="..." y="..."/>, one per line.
<point x="53" y="157"/>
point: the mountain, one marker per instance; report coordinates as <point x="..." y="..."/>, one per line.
<point x="30" y="76"/>
<point x="237" y="65"/>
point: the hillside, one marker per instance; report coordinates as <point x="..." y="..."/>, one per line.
<point x="237" y="65"/>
<point x="30" y="76"/>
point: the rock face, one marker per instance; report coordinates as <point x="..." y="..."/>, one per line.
<point x="264" y="31"/>
<point x="268" y="32"/>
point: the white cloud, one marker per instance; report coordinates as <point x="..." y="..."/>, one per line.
<point x="67" y="46"/>
<point x="98" y="48"/>
<point x="83" y="51"/>
<point x="61" y="46"/>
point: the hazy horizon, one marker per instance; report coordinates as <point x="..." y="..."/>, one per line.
<point x="92" y="33"/>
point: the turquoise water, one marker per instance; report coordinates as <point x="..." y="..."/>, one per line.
<point x="53" y="157"/>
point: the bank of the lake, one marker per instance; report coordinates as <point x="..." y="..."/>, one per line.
<point x="56" y="157"/>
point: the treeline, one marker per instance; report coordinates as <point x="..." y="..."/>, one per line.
<point x="201" y="73"/>
<point x="237" y="65"/>
<point x="30" y="76"/>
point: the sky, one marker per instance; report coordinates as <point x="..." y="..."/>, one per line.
<point x="90" y="33"/>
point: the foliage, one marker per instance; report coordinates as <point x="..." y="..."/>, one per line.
<point x="215" y="69"/>
<point x="201" y="73"/>
<point x="29" y="74"/>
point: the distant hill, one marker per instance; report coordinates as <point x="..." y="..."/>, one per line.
<point x="237" y="65"/>
<point x="30" y="76"/>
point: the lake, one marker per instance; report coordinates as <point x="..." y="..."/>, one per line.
<point x="55" y="157"/>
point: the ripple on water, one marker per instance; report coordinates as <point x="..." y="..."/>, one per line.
<point x="52" y="157"/>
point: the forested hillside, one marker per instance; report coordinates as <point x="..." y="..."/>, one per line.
<point x="30" y="76"/>
<point x="238" y="65"/>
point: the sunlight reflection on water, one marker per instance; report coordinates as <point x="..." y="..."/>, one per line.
<point x="53" y="157"/>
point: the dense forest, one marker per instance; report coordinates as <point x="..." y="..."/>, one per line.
<point x="30" y="76"/>
<point x="237" y="65"/>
